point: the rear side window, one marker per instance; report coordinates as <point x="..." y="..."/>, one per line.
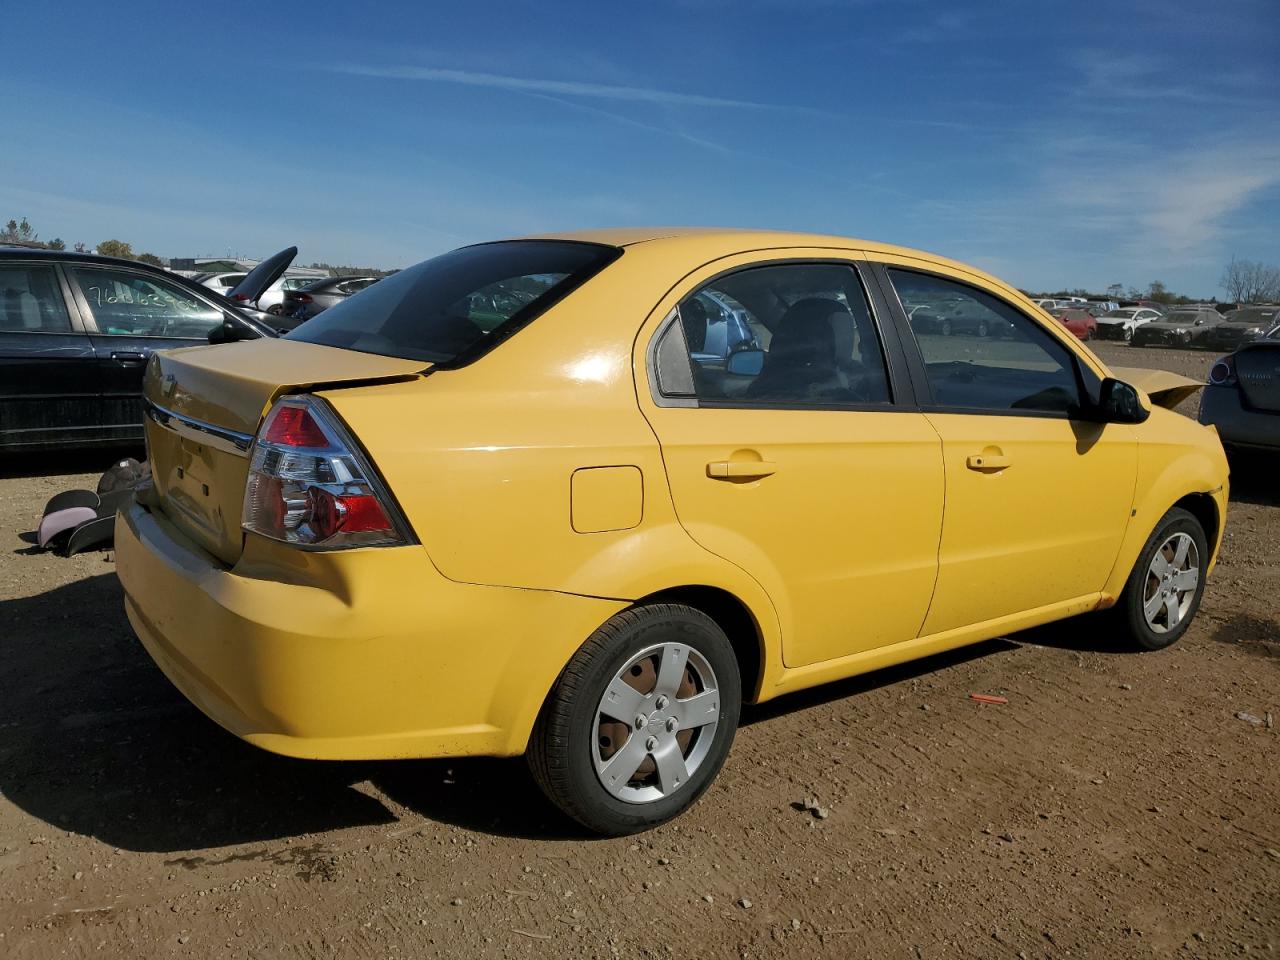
<point x="31" y="300"/>
<point x="786" y="334"/>
<point x="455" y="308"/>
<point x="981" y="353"/>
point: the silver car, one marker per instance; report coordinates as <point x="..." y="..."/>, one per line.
<point x="1242" y="398"/>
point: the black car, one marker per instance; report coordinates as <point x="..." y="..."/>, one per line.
<point x="314" y="298"/>
<point x="1242" y="326"/>
<point x="76" y="331"/>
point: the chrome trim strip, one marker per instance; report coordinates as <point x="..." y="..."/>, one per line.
<point x="219" y="438"/>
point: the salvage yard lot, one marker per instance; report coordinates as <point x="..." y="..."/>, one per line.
<point x="1117" y="806"/>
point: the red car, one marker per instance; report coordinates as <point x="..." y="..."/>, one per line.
<point x="1078" y="320"/>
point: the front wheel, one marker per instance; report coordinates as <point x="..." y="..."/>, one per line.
<point x="640" y="721"/>
<point x="1164" y="590"/>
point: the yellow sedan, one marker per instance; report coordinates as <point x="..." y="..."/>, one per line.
<point x="581" y="496"/>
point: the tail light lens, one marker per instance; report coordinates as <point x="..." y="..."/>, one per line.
<point x="310" y="486"/>
<point x="1223" y="373"/>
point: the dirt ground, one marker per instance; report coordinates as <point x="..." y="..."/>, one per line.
<point x="1116" y="807"/>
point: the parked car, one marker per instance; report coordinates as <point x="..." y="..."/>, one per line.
<point x="419" y="529"/>
<point x="1241" y="326"/>
<point x="272" y="299"/>
<point x="1155" y="305"/>
<point x="1179" y="328"/>
<point x="1242" y="399"/>
<point x="1100" y="308"/>
<point x="222" y="282"/>
<point x="1120" y="324"/>
<point x="319" y="295"/>
<point x="1081" y="323"/>
<point x="76" y="332"/>
<point x="947" y="315"/>
<point x="715" y="328"/>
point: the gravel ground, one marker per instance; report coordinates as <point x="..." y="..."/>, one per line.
<point x="1116" y="807"/>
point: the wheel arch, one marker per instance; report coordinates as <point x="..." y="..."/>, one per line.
<point x="735" y="618"/>
<point x="1193" y="479"/>
<point x="1204" y="508"/>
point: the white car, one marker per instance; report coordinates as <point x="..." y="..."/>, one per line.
<point x="272" y="300"/>
<point x="1120" y="324"/>
<point x="223" y="282"/>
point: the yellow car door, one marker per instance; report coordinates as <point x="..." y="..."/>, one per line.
<point x="1037" y="497"/>
<point x="793" y="447"/>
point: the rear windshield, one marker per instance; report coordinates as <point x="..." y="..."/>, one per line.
<point x="457" y="307"/>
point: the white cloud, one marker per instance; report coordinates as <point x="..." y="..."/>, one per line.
<point x="563" y="88"/>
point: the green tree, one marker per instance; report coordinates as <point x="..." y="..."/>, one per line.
<point x="56" y="244"/>
<point x="19" y="231"/>
<point x="150" y="258"/>
<point x="116" y="248"/>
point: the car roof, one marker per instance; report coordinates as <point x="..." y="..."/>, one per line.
<point x="715" y="242"/>
<point x="27" y="253"/>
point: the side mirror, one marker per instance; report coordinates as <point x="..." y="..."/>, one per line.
<point x="1118" y="402"/>
<point x="745" y="363"/>
<point x="228" y="331"/>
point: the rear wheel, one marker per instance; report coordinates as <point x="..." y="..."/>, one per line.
<point x="1164" y="590"/>
<point x="983" y="328"/>
<point x="640" y="721"/>
<point x="946" y="328"/>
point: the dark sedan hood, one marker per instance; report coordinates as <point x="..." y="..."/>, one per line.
<point x="262" y="276"/>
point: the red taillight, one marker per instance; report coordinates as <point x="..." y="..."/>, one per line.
<point x="295" y="427"/>
<point x="310" y="486"/>
<point x="240" y="298"/>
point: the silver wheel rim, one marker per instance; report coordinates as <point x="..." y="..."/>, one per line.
<point x="656" y="722"/>
<point x="1171" y="583"/>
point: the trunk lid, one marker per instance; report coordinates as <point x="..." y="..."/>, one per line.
<point x="204" y="405"/>
<point x="1258" y="370"/>
<point x="1164" y="388"/>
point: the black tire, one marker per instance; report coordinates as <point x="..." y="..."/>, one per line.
<point x="563" y="743"/>
<point x="275" y="310"/>
<point x="1129" y="609"/>
<point x="946" y="328"/>
<point x="983" y="328"/>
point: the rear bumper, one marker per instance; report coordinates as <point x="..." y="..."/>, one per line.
<point x="1237" y="425"/>
<point x="358" y="654"/>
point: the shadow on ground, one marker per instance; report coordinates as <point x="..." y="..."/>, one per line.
<point x="95" y="740"/>
<point x="1253" y="478"/>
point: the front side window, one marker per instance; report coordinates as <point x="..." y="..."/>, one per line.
<point x="138" y="305"/>
<point x="998" y="360"/>
<point x="787" y="334"/>
<point x="460" y="305"/>
<point x="31" y="300"/>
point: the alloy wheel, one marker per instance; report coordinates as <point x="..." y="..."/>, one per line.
<point x="1171" y="583"/>
<point x="656" y="723"/>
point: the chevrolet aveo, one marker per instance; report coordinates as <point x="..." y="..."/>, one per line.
<point x="509" y="501"/>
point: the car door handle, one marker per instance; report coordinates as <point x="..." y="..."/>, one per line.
<point x="983" y="462"/>
<point x="129" y="359"/>
<point x="740" y="469"/>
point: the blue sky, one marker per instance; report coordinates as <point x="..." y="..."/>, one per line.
<point x="1055" y="144"/>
